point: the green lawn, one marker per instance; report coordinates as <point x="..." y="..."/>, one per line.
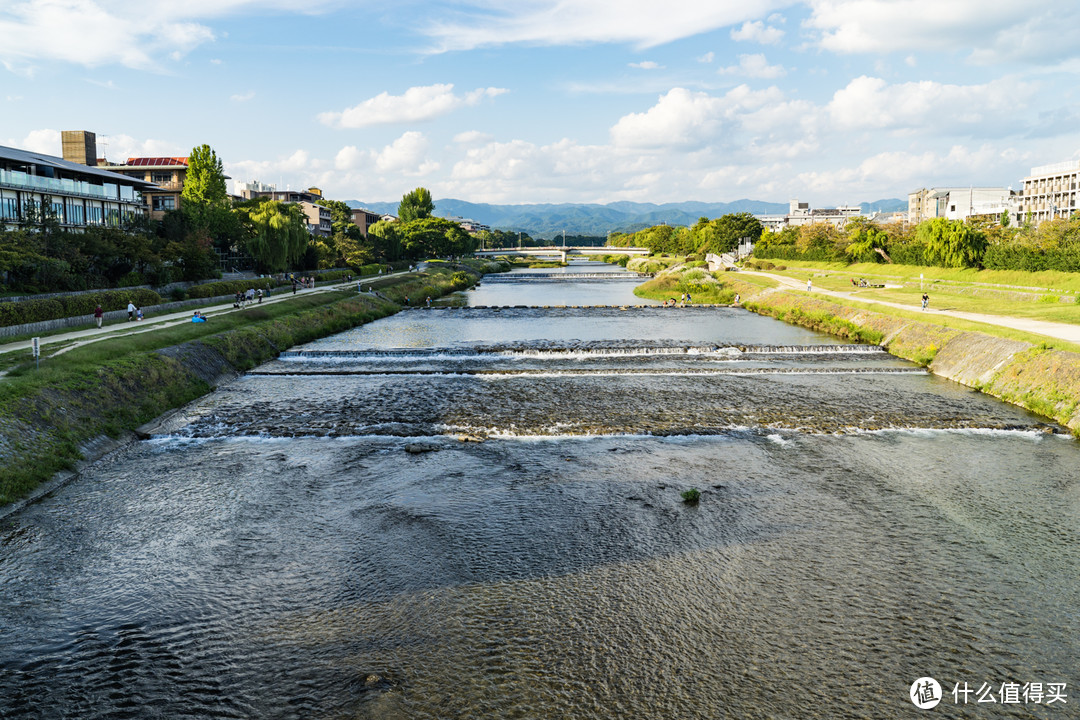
<point x="1022" y="298"/>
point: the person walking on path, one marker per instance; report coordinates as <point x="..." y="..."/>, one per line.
<point x="925" y="301"/>
<point x="131" y="310"/>
<point x="809" y="285"/>
<point x="99" y="315"/>
<point x="138" y="313"/>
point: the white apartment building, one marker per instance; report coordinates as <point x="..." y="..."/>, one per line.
<point x="1050" y="191"/>
<point x="961" y="203"/>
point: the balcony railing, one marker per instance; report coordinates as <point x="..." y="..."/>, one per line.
<point x="25" y="181"/>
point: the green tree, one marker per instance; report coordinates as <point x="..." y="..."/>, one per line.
<point x="277" y="235"/>
<point x="204" y="201"/>
<point x="434" y="237"/>
<point x="866" y="242"/>
<point x="416" y="205"/>
<point x="951" y="243"/>
<point x="723" y="234"/>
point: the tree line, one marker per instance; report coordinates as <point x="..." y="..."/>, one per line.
<point x="261" y="234"/>
<point x="720" y="235"/>
<point x="992" y="245"/>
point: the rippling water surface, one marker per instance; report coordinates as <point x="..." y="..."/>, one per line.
<point x="476" y="513"/>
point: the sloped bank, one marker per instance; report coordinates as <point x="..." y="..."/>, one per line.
<point x="50" y="431"/>
<point x="1035" y="377"/>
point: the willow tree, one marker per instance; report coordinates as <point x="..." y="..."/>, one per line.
<point x="951" y="243"/>
<point x="277" y="234"/>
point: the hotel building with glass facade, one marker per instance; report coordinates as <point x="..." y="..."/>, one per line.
<point x="34" y="186"/>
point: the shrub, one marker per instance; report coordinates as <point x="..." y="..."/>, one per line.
<point x="28" y="311"/>
<point x="131" y="280"/>
<point x="230" y="287"/>
<point x="691" y="496"/>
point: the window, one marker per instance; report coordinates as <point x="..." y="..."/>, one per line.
<point x="164" y="202"/>
<point x="94" y="216"/>
<point x="161" y="178"/>
<point x="9" y="208"/>
<point x="75" y="214"/>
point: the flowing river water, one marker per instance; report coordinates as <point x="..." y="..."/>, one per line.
<point x="327" y="537"/>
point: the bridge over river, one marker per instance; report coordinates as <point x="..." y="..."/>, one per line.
<point x="561" y="252"/>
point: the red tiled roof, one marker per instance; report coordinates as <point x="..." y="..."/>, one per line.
<point x="147" y="161"/>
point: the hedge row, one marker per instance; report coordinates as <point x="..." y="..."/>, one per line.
<point x="28" y="311"/>
<point x="230" y="287"/>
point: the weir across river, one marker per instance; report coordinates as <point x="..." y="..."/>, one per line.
<point x="478" y="513"/>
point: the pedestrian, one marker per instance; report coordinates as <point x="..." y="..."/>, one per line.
<point x="131" y="311"/>
<point x="138" y="313"/>
<point x="737" y="298"/>
<point x="259" y="294"/>
<point x="688" y="300"/>
<point x="406" y="301"/>
<point x="99" y="315"/>
<point x="294" y="287"/>
<point x="429" y="301"/>
<point x="925" y="301"/>
<point x="809" y="285"/>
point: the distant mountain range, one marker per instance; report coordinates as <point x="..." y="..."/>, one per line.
<point x="593" y="219"/>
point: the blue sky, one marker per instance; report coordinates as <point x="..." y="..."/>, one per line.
<point x="537" y="101"/>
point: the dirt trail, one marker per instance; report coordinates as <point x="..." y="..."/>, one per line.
<point x="1060" y="331"/>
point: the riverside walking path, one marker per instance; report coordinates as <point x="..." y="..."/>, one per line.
<point x="1060" y="331"/>
<point x="124" y="327"/>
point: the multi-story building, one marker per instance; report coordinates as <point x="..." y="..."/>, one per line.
<point x="960" y="203"/>
<point x="364" y="219"/>
<point x="469" y="225"/>
<point x="33" y="185"/>
<point x="319" y="222"/>
<point x="166" y="173"/>
<point x="318" y="217"/>
<point x="800" y="213"/>
<point x="1050" y="191"/>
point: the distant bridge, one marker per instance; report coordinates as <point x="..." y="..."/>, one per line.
<point x="562" y="252"/>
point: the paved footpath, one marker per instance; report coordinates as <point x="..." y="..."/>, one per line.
<point x="1061" y="331"/>
<point x="132" y="327"/>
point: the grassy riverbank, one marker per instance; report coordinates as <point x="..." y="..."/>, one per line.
<point x="1024" y="369"/>
<point x="112" y="386"/>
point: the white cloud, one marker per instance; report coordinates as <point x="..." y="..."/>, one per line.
<point x="990" y="31"/>
<point x="679" y="118"/>
<point x="758" y="32"/>
<point x="644" y="23"/>
<point x="646" y="65"/>
<point x="406" y="155"/>
<point x="707" y="57"/>
<point x="46" y="142"/>
<point x="416" y="105"/>
<point x="243" y="97"/>
<point x="755" y="66"/>
<point x="133" y="33"/>
<point x="472" y="137"/>
<point x="682" y="118"/>
<point x="902" y="169"/>
<point x="297" y="169"/>
<point x="871" y="103"/>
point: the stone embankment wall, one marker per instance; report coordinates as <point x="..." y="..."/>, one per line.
<point x="1035" y="377"/>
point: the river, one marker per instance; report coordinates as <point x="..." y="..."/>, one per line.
<point x="476" y="512"/>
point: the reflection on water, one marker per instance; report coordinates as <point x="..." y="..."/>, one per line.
<point x="315" y="540"/>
